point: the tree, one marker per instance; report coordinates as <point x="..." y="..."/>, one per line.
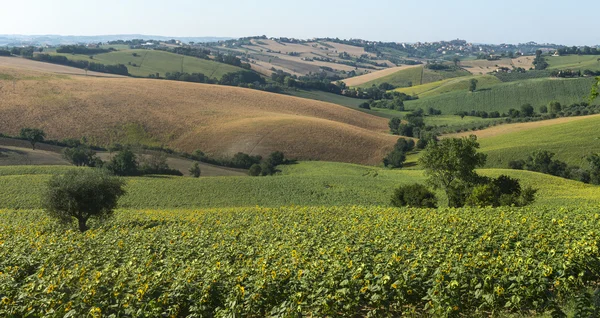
<point x="594" y="161"/>
<point x="82" y="156"/>
<point x="255" y="170"/>
<point x="365" y="105"/>
<point x="473" y="85"/>
<point x="543" y="109"/>
<point x="394" y="159"/>
<point x="542" y="161"/>
<point x="276" y="158"/>
<point x="527" y="110"/>
<point x="595" y="92"/>
<point x="33" y="135"/>
<point x="195" y="170"/>
<point x="414" y="195"/>
<point x="124" y="163"/>
<point x="450" y="165"/>
<point x="555" y="107"/>
<point x="394" y="124"/>
<point x="81" y="195"/>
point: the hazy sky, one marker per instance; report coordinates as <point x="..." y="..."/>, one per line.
<point x="572" y="22"/>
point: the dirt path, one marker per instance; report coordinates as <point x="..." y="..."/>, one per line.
<point x="510" y="128"/>
<point x="31" y="65"/>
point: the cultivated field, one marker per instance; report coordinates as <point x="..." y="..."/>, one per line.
<point x="149" y="62"/>
<point x="217" y="119"/>
<point x="482" y="67"/>
<point x="574" y="62"/>
<point x="502" y="97"/>
<point x="449" y="85"/>
<point x="571" y="138"/>
<point x="35" y="66"/>
<point x="372" y="76"/>
<point x="414" y="76"/>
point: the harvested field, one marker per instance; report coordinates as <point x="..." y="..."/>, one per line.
<point x="219" y="120"/>
<point x="481" y="67"/>
<point x="29" y="65"/>
<point x="362" y="79"/>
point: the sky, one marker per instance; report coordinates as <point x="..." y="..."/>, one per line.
<point x="572" y="22"/>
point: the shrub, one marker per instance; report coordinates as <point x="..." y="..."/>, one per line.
<point x="81" y="195"/>
<point x="394" y="159"/>
<point x="502" y="191"/>
<point x="255" y="170"/>
<point x="124" y="164"/>
<point x="195" y="170"/>
<point x="82" y="156"/>
<point x="414" y="195"/>
<point x="33" y="135"/>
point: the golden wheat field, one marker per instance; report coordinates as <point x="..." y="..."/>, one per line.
<point x="219" y="120"/>
<point x="359" y="80"/>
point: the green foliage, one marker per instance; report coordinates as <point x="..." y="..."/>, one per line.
<point x="257" y="262"/>
<point x="81" y="195"/>
<point x="195" y="170"/>
<point x="414" y="195"/>
<point x="450" y="165"/>
<point x="595" y="90"/>
<point x="394" y="159"/>
<point x="473" y="85"/>
<point x="527" y="110"/>
<point x="124" y="163"/>
<point x="82" y="156"/>
<point x="502" y="191"/>
<point x="33" y="135"/>
<point x="502" y="97"/>
<point x="255" y="170"/>
<point x="276" y="158"/>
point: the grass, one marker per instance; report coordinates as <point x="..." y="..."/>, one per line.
<point x="303" y="184"/>
<point x="574" y="62"/>
<point x="415" y="76"/>
<point x="502" y="97"/>
<point x="449" y="85"/>
<point x="572" y="142"/>
<point x="151" y="62"/>
<point x="219" y="120"/>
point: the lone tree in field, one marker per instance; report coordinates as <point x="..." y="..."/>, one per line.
<point x="33" y="135"/>
<point x="473" y="85"/>
<point x="83" y="194"/>
<point x="195" y="170"/>
<point x="450" y="165"/>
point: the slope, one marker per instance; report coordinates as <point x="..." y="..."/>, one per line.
<point x="219" y="120"/>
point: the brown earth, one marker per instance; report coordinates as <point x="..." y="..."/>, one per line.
<point x="359" y="80"/>
<point x="219" y="120"/>
<point x="29" y="65"/>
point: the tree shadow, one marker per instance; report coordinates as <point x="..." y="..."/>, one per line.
<point x="4" y="151"/>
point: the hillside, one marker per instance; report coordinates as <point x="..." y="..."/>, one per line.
<point x="449" y="85"/>
<point x="574" y="62"/>
<point x="147" y="62"/>
<point x="219" y="120"/>
<point x="571" y="138"/>
<point x="502" y="97"/>
<point x="362" y="79"/>
<point x="414" y="76"/>
<point x="25" y="65"/>
<point x="303" y="184"/>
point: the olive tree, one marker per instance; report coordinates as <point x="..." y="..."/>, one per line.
<point x="82" y="194"/>
<point x="195" y="170"/>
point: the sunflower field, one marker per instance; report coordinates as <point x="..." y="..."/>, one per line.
<point x="301" y="261"/>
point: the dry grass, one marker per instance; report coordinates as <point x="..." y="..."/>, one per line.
<point x="217" y="119"/>
<point x="510" y="128"/>
<point x="35" y="66"/>
<point x="478" y="67"/>
<point x="359" y="80"/>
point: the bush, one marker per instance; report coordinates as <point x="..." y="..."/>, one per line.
<point x="124" y="164"/>
<point x="502" y="191"/>
<point x="81" y="195"/>
<point x="255" y="170"/>
<point x="195" y="170"/>
<point x="414" y="195"/>
<point x="394" y="159"/>
<point x="82" y="156"/>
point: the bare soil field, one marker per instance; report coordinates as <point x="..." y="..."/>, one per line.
<point x="481" y="67"/>
<point x="219" y="120"/>
<point x="359" y="80"/>
<point x="510" y="128"/>
<point x="25" y="64"/>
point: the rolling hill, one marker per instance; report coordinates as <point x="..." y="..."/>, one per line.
<point x="449" y="85"/>
<point x="571" y="138"/>
<point x="147" y="62"/>
<point x="574" y="62"/>
<point x="219" y="120"/>
<point x="369" y="77"/>
<point x="414" y="76"/>
<point x="502" y="97"/>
